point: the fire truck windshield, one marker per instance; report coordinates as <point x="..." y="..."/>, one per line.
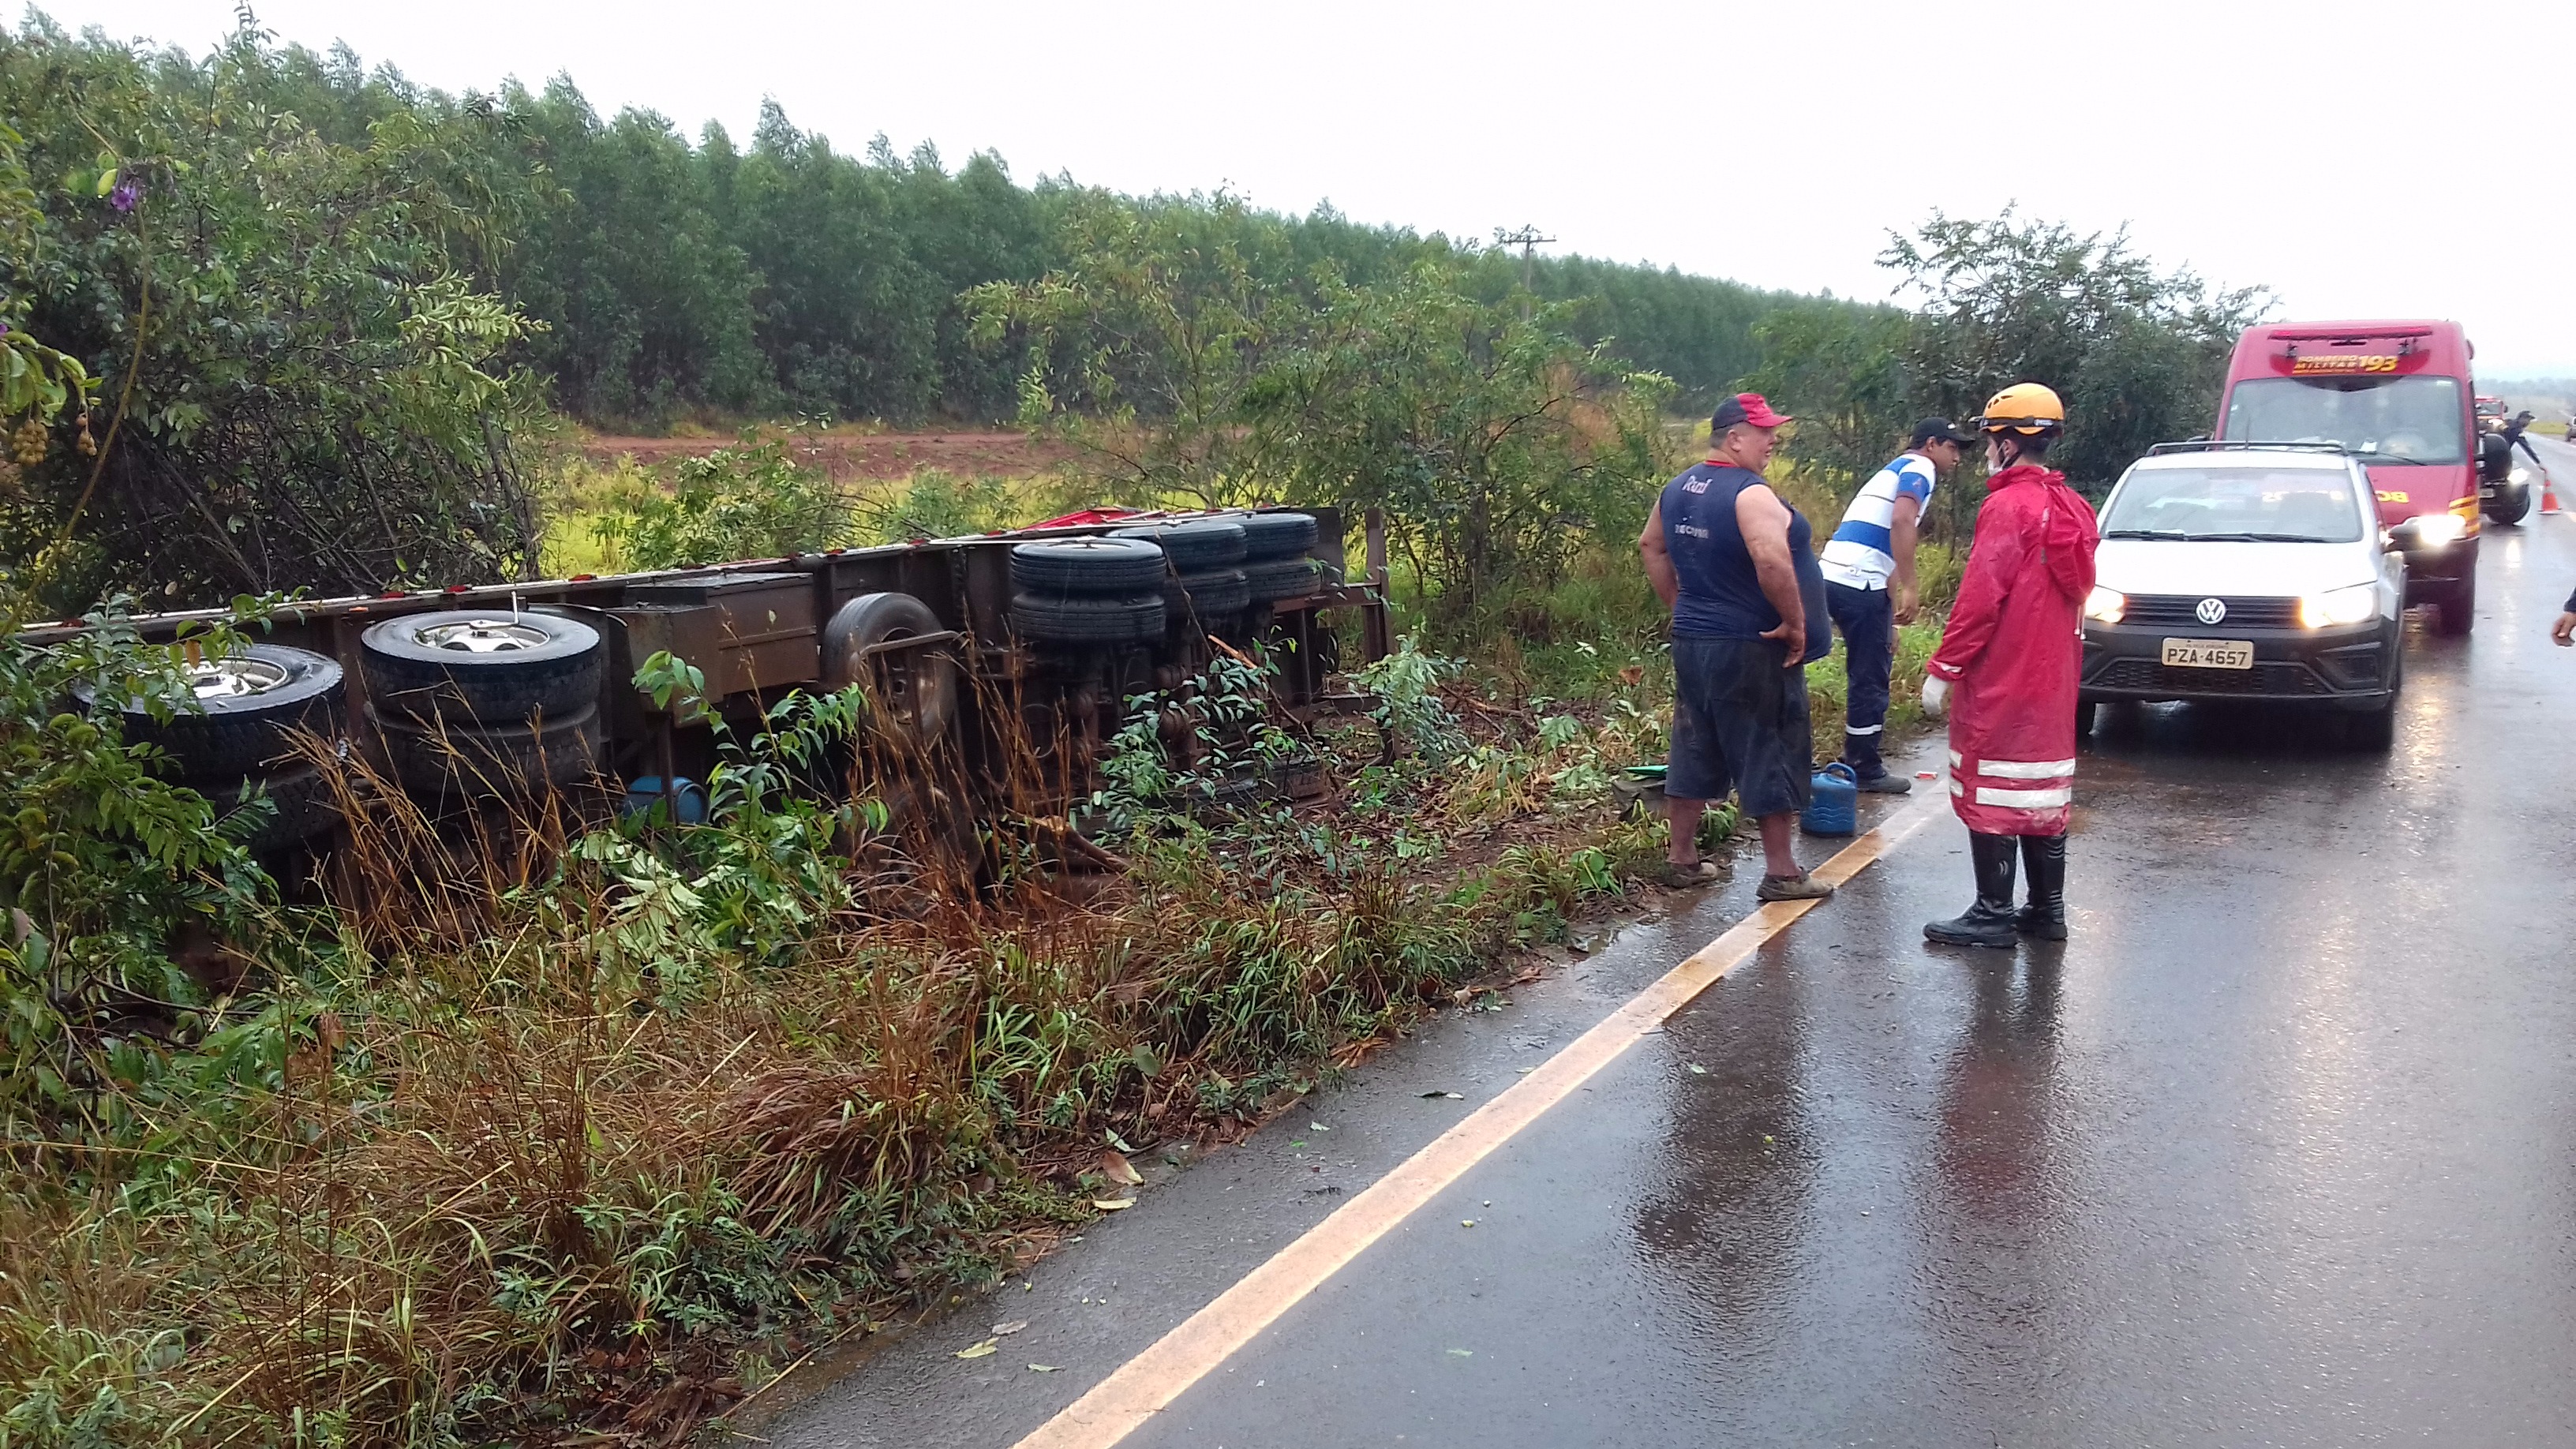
<point x="2390" y="419"/>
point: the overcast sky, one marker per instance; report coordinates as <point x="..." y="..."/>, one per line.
<point x="2361" y="158"/>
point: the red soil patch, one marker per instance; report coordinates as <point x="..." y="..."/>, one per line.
<point x="876" y="457"/>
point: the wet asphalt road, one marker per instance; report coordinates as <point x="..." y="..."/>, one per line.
<point x="2279" y="1150"/>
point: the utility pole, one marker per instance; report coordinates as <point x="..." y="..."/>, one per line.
<point x="1529" y="241"/>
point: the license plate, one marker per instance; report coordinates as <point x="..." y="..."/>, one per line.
<point x="2210" y="653"/>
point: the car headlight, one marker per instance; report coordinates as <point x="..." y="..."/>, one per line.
<point x="2339" y="606"/>
<point x="2432" y="530"/>
<point x="2105" y="605"/>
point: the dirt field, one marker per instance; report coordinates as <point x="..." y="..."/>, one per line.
<point x="858" y="456"/>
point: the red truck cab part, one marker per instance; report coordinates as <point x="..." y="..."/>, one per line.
<point x="2400" y="397"/>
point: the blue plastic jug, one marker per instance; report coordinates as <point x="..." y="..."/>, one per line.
<point x="1833" y="804"/>
<point x="688" y="799"/>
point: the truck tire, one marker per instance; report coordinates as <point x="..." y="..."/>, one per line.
<point x="911" y="693"/>
<point x="252" y="701"/>
<point x="1211" y="595"/>
<point x="2512" y="504"/>
<point x="1193" y="545"/>
<point x="491" y="760"/>
<point x="1065" y="568"/>
<point x="1268" y="536"/>
<point x="483" y="668"/>
<point x="303" y="802"/>
<point x="1088" y="620"/>
<point x="1289" y="578"/>
<point x="2455" y="608"/>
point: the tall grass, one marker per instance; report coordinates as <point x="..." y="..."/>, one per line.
<point x="544" y="1126"/>
<point x="622" y="515"/>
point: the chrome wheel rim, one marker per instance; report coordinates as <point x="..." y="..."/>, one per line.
<point x="481" y="636"/>
<point x="236" y="678"/>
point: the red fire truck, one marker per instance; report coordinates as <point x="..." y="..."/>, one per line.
<point x="2399" y="397"/>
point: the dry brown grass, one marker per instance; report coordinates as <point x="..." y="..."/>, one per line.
<point x="476" y="1165"/>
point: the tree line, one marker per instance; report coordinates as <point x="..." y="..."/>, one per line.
<point x="327" y="309"/>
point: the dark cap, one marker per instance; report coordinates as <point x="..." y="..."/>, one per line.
<point x="1940" y="430"/>
<point x="1744" y="408"/>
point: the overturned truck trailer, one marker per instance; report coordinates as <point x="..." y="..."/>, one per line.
<point x="996" y="665"/>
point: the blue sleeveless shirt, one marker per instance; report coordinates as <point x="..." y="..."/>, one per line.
<point x="1721" y="596"/>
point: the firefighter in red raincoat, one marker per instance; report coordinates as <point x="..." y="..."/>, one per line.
<point x="2011" y="653"/>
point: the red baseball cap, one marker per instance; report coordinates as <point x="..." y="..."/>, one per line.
<point x="1744" y="407"/>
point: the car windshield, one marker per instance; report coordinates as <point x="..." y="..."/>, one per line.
<point x="2267" y="505"/>
<point x="2395" y="419"/>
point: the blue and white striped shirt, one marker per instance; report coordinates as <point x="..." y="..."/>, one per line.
<point x="1858" y="555"/>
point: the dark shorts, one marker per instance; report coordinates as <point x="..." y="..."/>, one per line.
<point x="1739" y="722"/>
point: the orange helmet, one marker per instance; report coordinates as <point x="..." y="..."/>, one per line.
<point x="2026" y="408"/>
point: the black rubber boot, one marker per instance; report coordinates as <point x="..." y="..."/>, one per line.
<point x="1861" y="753"/>
<point x="2044" y="857"/>
<point x="1990" y="921"/>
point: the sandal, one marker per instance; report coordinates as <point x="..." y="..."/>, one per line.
<point x="1687" y="877"/>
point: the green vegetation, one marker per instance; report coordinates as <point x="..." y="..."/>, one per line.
<point x="308" y="387"/>
<point x="746" y="502"/>
<point x="333" y="303"/>
<point x="1499" y="446"/>
<point x="578" y="1127"/>
<point x="493" y="1146"/>
<point x="2136" y="353"/>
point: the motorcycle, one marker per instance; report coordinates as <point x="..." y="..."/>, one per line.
<point x="2504" y="485"/>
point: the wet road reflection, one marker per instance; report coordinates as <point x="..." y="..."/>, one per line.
<point x="2279" y="1150"/>
<point x="1997" y="1198"/>
<point x="1730" y="1219"/>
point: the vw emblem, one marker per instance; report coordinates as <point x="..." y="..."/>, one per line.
<point x="2212" y="611"/>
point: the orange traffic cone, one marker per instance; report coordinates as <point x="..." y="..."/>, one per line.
<point x="2548" y="494"/>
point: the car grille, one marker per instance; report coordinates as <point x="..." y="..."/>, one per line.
<point x="2184" y="609"/>
<point x="2273" y="677"/>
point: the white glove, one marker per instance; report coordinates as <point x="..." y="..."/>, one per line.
<point x="1936" y="696"/>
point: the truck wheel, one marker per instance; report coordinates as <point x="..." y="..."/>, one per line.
<point x="1059" y="568"/>
<point x="491" y="668"/>
<point x="1268" y="536"/>
<point x="1288" y="578"/>
<point x="2455" y="608"/>
<point x="1211" y="595"/>
<point x="302" y="805"/>
<point x="251" y="701"/>
<point x="912" y="691"/>
<point x="491" y="760"/>
<point x="1194" y="546"/>
<point x="1086" y="620"/>
<point x="2512" y="504"/>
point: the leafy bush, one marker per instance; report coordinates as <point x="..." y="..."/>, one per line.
<point x="309" y="389"/>
<point x="2136" y="353"/>
<point x="107" y="871"/>
<point x="751" y="501"/>
<point x="936" y="504"/>
<point x="1497" y="444"/>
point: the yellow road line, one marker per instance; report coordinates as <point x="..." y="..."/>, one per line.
<point x="1142" y="1386"/>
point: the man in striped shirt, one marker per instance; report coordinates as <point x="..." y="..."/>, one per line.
<point x="1869" y="588"/>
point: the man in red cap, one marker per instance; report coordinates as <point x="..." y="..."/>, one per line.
<point x="1733" y="561"/>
